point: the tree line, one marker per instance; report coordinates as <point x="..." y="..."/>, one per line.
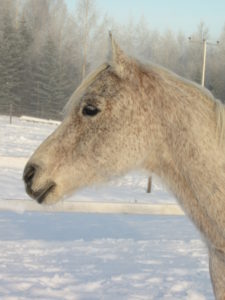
<point x="46" y="51"/>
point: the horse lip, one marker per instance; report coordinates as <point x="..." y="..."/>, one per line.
<point x="41" y="194"/>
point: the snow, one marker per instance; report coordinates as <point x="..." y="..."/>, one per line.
<point x="93" y="256"/>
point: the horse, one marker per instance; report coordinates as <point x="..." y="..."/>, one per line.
<point x="128" y="115"/>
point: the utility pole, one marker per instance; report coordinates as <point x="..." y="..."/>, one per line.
<point x="204" y="61"/>
<point x="204" y="42"/>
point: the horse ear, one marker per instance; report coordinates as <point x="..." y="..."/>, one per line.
<point x="118" y="59"/>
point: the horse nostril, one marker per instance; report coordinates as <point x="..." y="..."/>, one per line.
<point x="29" y="173"/>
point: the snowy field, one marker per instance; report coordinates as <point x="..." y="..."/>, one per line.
<point x="93" y="256"/>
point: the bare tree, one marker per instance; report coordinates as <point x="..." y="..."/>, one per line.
<point x="86" y="17"/>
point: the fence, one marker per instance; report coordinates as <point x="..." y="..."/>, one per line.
<point x="92" y="207"/>
<point x="17" y="110"/>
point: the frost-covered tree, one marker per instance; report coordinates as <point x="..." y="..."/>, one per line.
<point x="10" y="60"/>
<point x="25" y="75"/>
<point x="45" y="51"/>
<point x="91" y="34"/>
<point x="216" y="68"/>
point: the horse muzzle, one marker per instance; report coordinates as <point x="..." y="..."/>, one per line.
<point x="39" y="194"/>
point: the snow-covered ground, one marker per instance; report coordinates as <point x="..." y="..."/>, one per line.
<point x="93" y="256"/>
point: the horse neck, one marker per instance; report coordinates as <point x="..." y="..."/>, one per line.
<point x="191" y="147"/>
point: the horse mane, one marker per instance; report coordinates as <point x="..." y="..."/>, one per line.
<point x="219" y="106"/>
<point x="220" y="120"/>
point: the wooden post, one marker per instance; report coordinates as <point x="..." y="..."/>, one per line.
<point x="149" y="188"/>
<point x="10" y="113"/>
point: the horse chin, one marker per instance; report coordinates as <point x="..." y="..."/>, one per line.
<point x="50" y="200"/>
<point x="48" y="195"/>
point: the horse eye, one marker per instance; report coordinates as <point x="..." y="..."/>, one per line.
<point x="90" y="110"/>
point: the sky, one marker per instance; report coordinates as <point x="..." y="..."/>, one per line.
<point x="162" y="15"/>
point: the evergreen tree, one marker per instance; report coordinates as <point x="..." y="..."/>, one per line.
<point x="45" y="73"/>
<point x="24" y="88"/>
<point x="45" y="52"/>
<point x="9" y="63"/>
